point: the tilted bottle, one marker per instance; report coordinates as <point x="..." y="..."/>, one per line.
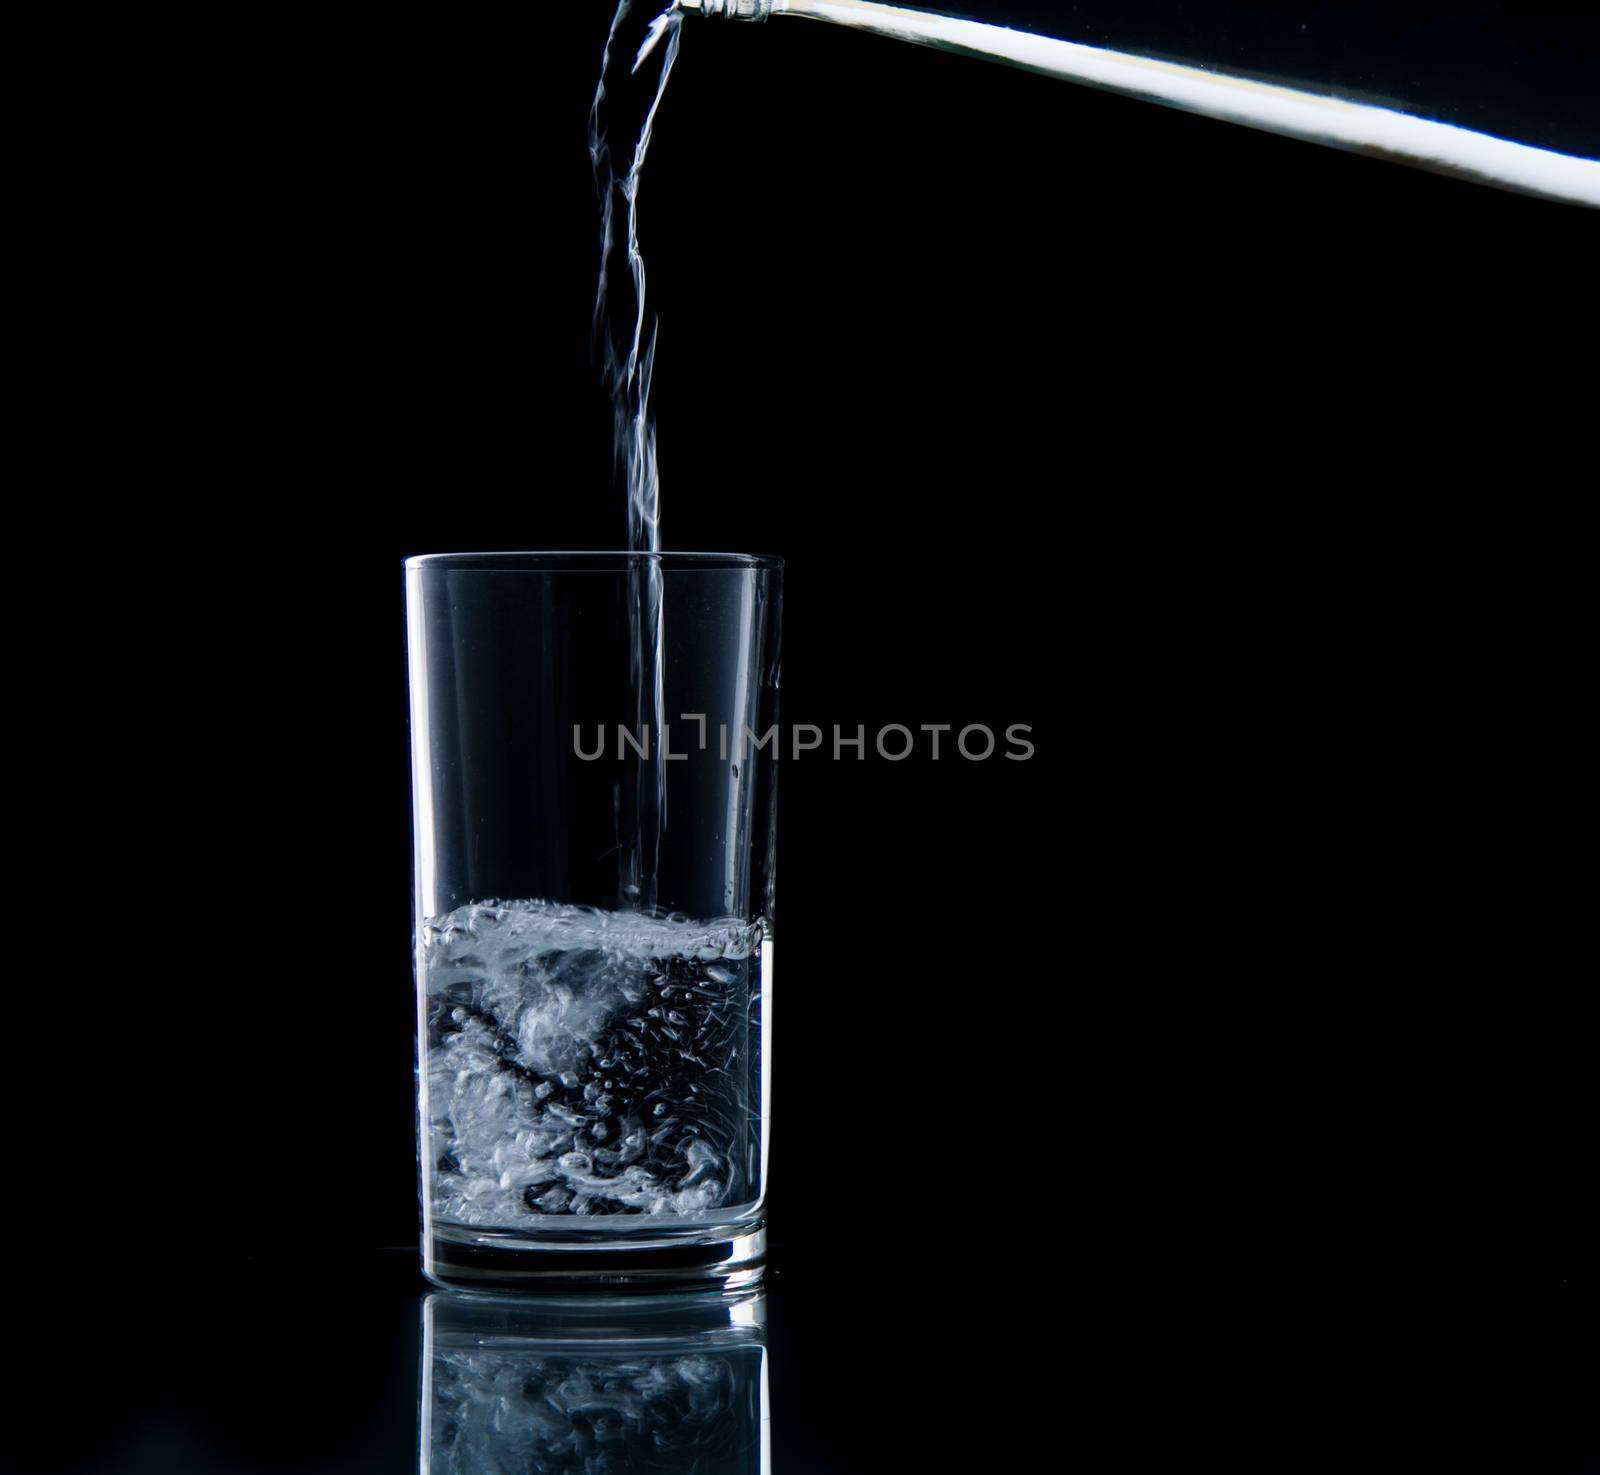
<point x="1503" y="94"/>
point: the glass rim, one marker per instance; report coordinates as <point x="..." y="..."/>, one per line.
<point x="594" y="560"/>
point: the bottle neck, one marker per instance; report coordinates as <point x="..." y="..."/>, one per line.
<point x="729" y="9"/>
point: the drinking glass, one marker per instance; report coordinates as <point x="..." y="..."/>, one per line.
<point x="594" y="748"/>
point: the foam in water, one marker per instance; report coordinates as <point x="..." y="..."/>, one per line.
<point x="583" y="1062"/>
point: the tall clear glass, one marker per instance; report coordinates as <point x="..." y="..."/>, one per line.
<point x="594" y="751"/>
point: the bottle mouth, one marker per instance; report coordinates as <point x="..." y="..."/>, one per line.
<point x="730" y="9"/>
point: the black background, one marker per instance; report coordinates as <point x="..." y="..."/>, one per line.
<point x="1219" y="1080"/>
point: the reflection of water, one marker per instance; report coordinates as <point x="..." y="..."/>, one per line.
<point x="662" y="1386"/>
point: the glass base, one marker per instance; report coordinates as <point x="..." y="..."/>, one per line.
<point x="720" y="1258"/>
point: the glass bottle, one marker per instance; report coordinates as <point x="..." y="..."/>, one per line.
<point x="1503" y="95"/>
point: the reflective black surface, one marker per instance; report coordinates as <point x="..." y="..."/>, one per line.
<point x="1105" y="1361"/>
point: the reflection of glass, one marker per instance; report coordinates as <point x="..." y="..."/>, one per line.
<point x="613" y="1386"/>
